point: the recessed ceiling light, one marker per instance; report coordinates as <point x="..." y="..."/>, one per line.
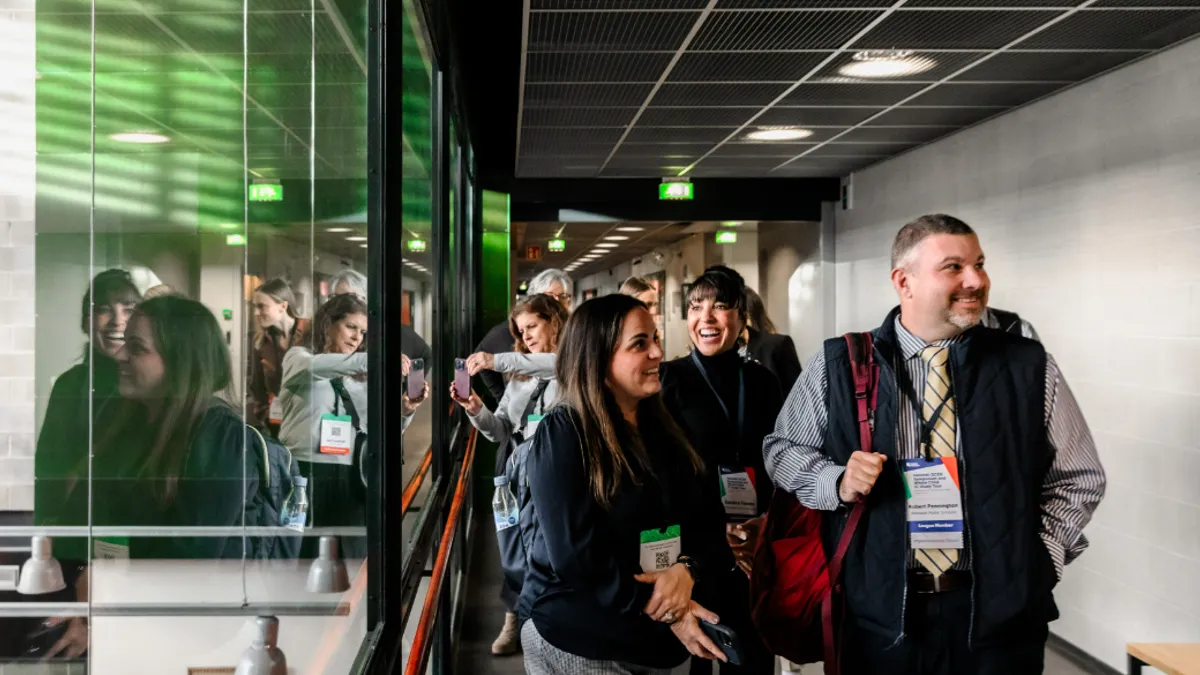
<point x="617" y="237"/>
<point x="778" y="134"/>
<point x="731" y="223"/>
<point x="606" y="245"/>
<point x="363" y="245"/>
<point x="886" y="63"/>
<point x="229" y="226"/>
<point x="356" y="238"/>
<point x="630" y="228"/>
<point x="143" y="137"/>
<point x="338" y="229"/>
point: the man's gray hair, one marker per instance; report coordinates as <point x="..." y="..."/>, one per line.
<point x="911" y="235"/>
<point x="544" y="280"/>
<point x="357" y="281"/>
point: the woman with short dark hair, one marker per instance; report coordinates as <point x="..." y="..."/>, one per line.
<point x="626" y="524"/>
<point x="728" y="406"/>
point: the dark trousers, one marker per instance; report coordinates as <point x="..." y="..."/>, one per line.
<point x="935" y="643"/>
<point x="336" y="498"/>
<point x="732" y="603"/>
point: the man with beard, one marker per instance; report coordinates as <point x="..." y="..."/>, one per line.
<point x="983" y="477"/>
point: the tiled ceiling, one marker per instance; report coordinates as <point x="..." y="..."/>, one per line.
<point x="646" y="88"/>
<point x="622" y="241"/>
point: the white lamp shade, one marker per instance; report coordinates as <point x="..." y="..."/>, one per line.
<point x="41" y="574"/>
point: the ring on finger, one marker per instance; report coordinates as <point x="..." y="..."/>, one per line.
<point x="669" y="617"/>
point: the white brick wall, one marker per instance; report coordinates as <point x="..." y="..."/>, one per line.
<point x="1088" y="207"/>
<point x="17" y="188"/>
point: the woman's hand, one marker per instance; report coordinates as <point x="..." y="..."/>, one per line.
<point x="672" y="593"/>
<point x="687" y="631"/>
<point x="411" y="405"/>
<point x="480" y="361"/>
<point x="472" y="405"/>
<point x="743" y="539"/>
<point x="74" y="642"/>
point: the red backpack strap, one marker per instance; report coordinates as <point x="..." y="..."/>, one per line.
<point x="866" y="395"/>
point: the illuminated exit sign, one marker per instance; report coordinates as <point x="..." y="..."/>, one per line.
<point x="557" y="245"/>
<point x="727" y="237"/>
<point x="266" y="192"/>
<point x="673" y="188"/>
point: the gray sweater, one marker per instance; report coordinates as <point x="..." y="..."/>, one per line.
<point x="501" y="425"/>
<point x="306" y="395"/>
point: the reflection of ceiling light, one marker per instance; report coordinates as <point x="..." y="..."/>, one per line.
<point x="616" y="238"/>
<point x="356" y="238"/>
<point x="630" y="228"/>
<point x="778" y="134"/>
<point x="338" y="229"/>
<point x="229" y="226"/>
<point x="886" y="63"/>
<point x="731" y="223"/>
<point x="144" y="137"/>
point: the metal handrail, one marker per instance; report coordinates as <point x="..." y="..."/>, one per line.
<point x="419" y="653"/>
<point x="414" y="483"/>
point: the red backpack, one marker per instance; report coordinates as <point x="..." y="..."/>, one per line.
<point x="792" y="598"/>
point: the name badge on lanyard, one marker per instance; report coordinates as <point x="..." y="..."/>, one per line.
<point x="337" y="440"/>
<point x="660" y="548"/>
<point x="275" y="410"/>
<point x="531" y="425"/>
<point x="737" y="491"/>
<point x="935" y="515"/>
<point x="110" y="548"/>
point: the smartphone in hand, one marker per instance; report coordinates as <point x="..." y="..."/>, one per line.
<point x="416" y="379"/>
<point x="725" y="639"/>
<point x="462" y="381"/>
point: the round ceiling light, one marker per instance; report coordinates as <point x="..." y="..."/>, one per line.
<point x="356" y="238"/>
<point x="616" y="238"/>
<point x="338" y="229"/>
<point x="778" y="134"/>
<point x="143" y="137"/>
<point x="606" y="245"/>
<point x="886" y="63"/>
<point x="630" y="228"/>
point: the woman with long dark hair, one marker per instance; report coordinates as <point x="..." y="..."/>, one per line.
<point x="279" y="325"/>
<point x="728" y="407"/>
<point x="535" y="325"/>
<point x="765" y="344"/>
<point x="626" y="523"/>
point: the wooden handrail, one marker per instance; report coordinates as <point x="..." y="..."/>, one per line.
<point x="418" y="655"/>
<point x="414" y="483"/>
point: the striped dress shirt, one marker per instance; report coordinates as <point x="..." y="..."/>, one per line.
<point x="1073" y="485"/>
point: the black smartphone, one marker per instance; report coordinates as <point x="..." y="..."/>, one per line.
<point x="725" y="639"/>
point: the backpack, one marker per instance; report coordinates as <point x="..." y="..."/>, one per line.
<point x="268" y="507"/>
<point x="795" y="588"/>
<point x="516" y="542"/>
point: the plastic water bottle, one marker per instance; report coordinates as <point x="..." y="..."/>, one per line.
<point x="295" y="515"/>
<point x="504" y="505"/>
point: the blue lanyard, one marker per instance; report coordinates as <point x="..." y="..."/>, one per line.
<point x="741" y="418"/>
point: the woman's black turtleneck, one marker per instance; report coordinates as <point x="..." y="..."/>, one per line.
<point x="714" y="434"/>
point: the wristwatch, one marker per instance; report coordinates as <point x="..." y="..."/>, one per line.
<point x="691" y="564"/>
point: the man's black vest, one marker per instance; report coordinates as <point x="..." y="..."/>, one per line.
<point x="999" y="389"/>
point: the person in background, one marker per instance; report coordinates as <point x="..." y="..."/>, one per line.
<point x="768" y="346"/>
<point x="348" y="281"/>
<point x="991" y="406"/>
<point x="81" y="394"/>
<point x="610" y="469"/>
<point x="553" y="282"/>
<point x="727" y="406"/>
<point x="171" y="453"/>
<point x="641" y="289"/>
<point x="329" y="379"/>
<point x="279" y="326"/>
<point x="535" y="324"/>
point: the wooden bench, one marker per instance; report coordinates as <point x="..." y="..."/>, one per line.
<point x="1172" y="658"/>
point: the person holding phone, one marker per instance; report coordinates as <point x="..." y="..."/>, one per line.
<point x="535" y="325"/>
<point x="417" y="390"/>
<point x="727" y="407"/>
<point x="627" y="526"/>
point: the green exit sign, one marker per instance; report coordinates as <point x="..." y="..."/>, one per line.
<point x="264" y="192"/>
<point x="727" y="237"/>
<point x="557" y="245"/>
<point x="416" y="245"/>
<point x="675" y="191"/>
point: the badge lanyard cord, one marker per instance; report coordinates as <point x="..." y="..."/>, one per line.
<point x="910" y="392"/>
<point x="741" y="413"/>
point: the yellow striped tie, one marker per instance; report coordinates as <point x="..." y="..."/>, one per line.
<point x="941" y="441"/>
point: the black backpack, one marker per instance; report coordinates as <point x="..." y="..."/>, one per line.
<point x="516" y="542"/>
<point x="269" y="505"/>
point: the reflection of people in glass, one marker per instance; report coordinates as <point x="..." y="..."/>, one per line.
<point x="278" y="326"/>
<point x="64" y="437"/>
<point x="328" y="382"/>
<point x="170" y="452"/>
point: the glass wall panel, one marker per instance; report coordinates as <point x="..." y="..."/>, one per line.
<point x="183" y="324"/>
